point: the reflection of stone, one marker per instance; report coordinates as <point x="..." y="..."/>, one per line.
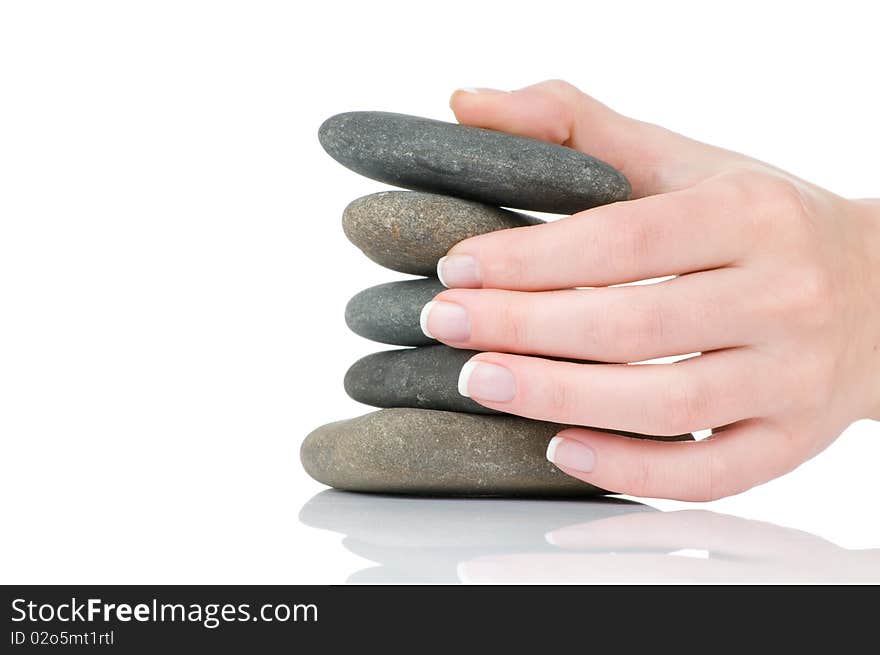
<point x="430" y="452"/>
<point x="606" y="540"/>
<point x="425" y="540"/>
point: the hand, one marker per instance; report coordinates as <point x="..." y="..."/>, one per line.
<point x="777" y="285"/>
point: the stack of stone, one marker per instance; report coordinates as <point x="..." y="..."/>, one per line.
<point x="430" y="439"/>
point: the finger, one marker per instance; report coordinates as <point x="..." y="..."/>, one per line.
<point x="654" y="160"/>
<point x="729" y="462"/>
<point x="692" y="313"/>
<point x="661" y="399"/>
<point x="712" y="225"/>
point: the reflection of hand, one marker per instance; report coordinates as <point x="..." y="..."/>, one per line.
<point x="777" y="285"/>
<point x="691" y="546"/>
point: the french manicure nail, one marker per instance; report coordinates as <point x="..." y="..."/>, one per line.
<point x="571" y="454"/>
<point x="550" y="539"/>
<point x="476" y="90"/>
<point x="445" y="321"/>
<point x="462" y="271"/>
<point x="485" y="381"/>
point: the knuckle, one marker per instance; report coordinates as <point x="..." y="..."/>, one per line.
<point x="560" y="87"/>
<point x="710" y="479"/>
<point x="633" y="329"/>
<point x="560" y="402"/>
<point x="513" y="324"/>
<point x="784" y="198"/>
<point x="560" y="100"/>
<point x="816" y="287"/>
<point x="684" y="405"/>
<point x="507" y="266"/>
<point x="639" y="476"/>
<point x="745" y="185"/>
<point x="773" y="196"/>
<point x="816" y="376"/>
<point x="767" y="205"/>
<point x="789" y="445"/>
<point x="716" y="483"/>
<point x="648" y="325"/>
<point x="810" y="296"/>
<point x="709" y="476"/>
<point x="631" y="243"/>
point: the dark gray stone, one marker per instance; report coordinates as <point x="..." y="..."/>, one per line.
<point x="409" y="231"/>
<point x="429" y="452"/>
<point x="389" y="313"/>
<point x="470" y="162"/>
<point x="425" y="378"/>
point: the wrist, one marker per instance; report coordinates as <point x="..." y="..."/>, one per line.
<point x="869" y="211"/>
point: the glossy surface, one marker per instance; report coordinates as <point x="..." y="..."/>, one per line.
<point x="599" y="541"/>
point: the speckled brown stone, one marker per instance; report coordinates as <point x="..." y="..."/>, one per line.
<point x="430" y="452"/>
<point x="408" y="231"/>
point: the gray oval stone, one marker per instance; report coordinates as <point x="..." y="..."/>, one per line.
<point x="424" y="377"/>
<point x="409" y="231"/>
<point x="430" y="452"/>
<point x="389" y="313"/>
<point x="470" y="162"/>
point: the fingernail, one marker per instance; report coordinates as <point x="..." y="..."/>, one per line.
<point x="445" y="321"/>
<point x="550" y="539"/>
<point x="475" y="90"/>
<point x="485" y="381"/>
<point x="571" y="454"/>
<point x="460" y="271"/>
<point x="467" y="89"/>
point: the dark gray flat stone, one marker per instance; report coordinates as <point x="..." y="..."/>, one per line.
<point x="429" y="452"/>
<point x="389" y="313"/>
<point x="409" y="231"/>
<point x="424" y="378"/>
<point x="470" y="162"/>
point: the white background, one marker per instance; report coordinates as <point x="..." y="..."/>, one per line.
<point x="173" y="272"/>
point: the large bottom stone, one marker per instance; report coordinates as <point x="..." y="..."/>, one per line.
<point x="431" y="452"/>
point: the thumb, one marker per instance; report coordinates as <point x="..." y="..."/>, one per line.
<point x="654" y="159"/>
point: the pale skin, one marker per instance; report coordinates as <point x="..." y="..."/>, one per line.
<point x="777" y="286"/>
